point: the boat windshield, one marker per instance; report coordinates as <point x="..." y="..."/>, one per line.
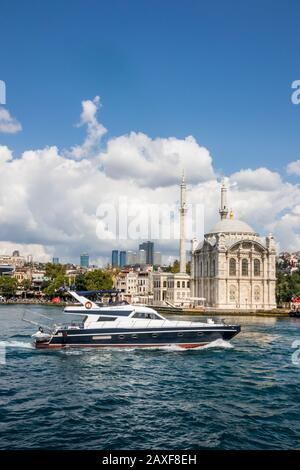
<point x="149" y="316"/>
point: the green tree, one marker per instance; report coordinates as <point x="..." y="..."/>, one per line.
<point x="188" y="267"/>
<point x="176" y="267"/>
<point x="80" y="282"/>
<point x="54" y="270"/>
<point x="98" y="279"/>
<point x="8" y="286"/>
<point x="53" y="287"/>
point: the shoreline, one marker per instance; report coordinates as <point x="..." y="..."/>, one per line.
<point x="185" y="312"/>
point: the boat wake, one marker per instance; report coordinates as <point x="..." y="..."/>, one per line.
<point x="16" y="344"/>
<point x="217" y="344"/>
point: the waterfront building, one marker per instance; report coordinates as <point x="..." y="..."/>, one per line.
<point x="115" y="258"/>
<point x="122" y="259"/>
<point x="22" y="274"/>
<point x="149" y="248"/>
<point x="84" y="260"/>
<point x="15" y="259"/>
<point x="126" y="282"/>
<point x="233" y="267"/>
<point x="6" y="269"/>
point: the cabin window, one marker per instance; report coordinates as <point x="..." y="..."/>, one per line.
<point x="134" y="336"/>
<point x="147" y="316"/>
<point x="121" y="336"/>
<point x="199" y="333"/>
<point x="106" y="318"/>
<point x="232" y="267"/>
<point x="244" y="267"/>
<point x="256" y="267"/>
<point x="154" y="335"/>
<point x="179" y="334"/>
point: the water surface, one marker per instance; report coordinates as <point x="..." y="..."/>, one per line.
<point x="239" y="395"/>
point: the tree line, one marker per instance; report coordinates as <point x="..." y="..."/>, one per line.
<point x="55" y="279"/>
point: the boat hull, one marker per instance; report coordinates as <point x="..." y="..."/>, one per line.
<point x="107" y="338"/>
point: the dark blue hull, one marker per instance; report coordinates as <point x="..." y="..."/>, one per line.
<point x="121" y="337"/>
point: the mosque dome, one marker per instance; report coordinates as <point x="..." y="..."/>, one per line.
<point x="231" y="226"/>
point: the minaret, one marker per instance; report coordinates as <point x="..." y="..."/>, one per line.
<point x="183" y="211"/>
<point x="223" y="211"/>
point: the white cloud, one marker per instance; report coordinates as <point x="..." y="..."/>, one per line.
<point x="95" y="130"/>
<point x="156" y="162"/>
<point x="260" y="179"/>
<point x="8" y="124"/>
<point x="293" y="168"/>
<point x="49" y="198"/>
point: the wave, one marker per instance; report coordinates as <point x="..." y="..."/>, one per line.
<point x="16" y="344"/>
<point x="217" y="344"/>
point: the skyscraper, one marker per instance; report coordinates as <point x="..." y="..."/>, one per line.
<point x="115" y="258"/>
<point x="123" y="261"/>
<point x="142" y="256"/>
<point x="149" y="248"/>
<point x="84" y="260"/>
<point x="157" y="258"/>
<point x="55" y="260"/>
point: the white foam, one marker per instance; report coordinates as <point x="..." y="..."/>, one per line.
<point x="16" y="344"/>
<point x="218" y="343"/>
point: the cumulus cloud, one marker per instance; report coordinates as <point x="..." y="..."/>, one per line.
<point x="49" y="198"/>
<point x="95" y="130"/>
<point x="8" y="124"/>
<point x="293" y="168"/>
<point x="260" y="179"/>
<point x="156" y="162"/>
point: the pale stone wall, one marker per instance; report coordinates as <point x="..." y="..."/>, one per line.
<point x="247" y="288"/>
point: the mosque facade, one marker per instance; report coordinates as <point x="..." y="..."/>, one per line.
<point x="233" y="267"/>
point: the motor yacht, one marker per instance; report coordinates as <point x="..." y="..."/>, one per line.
<point x="124" y="325"/>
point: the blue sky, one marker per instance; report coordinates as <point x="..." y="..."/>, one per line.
<point x="219" y="70"/>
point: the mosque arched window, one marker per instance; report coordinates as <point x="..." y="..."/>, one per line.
<point x="244" y="267"/>
<point x="178" y="283"/>
<point x="256" y="267"/>
<point x="232" y="267"/>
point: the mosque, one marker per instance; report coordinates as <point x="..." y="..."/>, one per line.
<point x="233" y="267"/>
